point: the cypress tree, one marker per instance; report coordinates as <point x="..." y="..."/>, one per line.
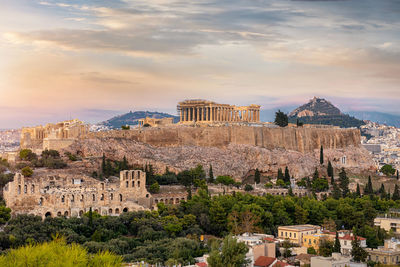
<point x="344" y="182"/>
<point x="257" y="176"/>
<point x="330" y="169"/>
<point x="321" y="156"/>
<point x="368" y="188"/>
<point x="280" y="174"/>
<point x="316" y="174"/>
<point x="332" y="180"/>
<point x="336" y="191"/>
<point x="90" y="217"/>
<point x="336" y="247"/>
<point x="211" y="175"/>
<point x="358" y="192"/>
<point x="382" y="191"/>
<point x="124" y="164"/>
<point x="397" y="175"/>
<point x="287" y="175"/>
<point x="396" y="193"/>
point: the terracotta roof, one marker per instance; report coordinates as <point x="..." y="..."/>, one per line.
<point x="264" y="261"/>
<point x="351" y="237"/>
<point x="304" y="256"/>
<point x="201" y="264"/>
<point x="269" y="239"/>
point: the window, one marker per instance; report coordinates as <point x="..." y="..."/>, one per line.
<point x="82" y="198"/>
<point x="102" y="186"/>
<point x="33" y="188"/>
<point x="63" y="199"/>
<point x="290" y="234"/>
<point x="72" y="198"/>
<point x="102" y="197"/>
<point x="286" y="234"/>
<point x="133" y="183"/>
<point x="19" y="190"/>
<point x="138" y="183"/>
<point x="94" y="197"/>
<point x="294" y="235"/>
<point x="120" y="197"/>
<point x="25" y="189"/>
<point x="111" y="196"/>
<point x="127" y="184"/>
<point x="41" y="201"/>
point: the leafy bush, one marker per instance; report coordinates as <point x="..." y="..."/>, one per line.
<point x="154" y="188"/>
<point x="27" y="171"/>
<point x="388" y="170"/>
<point x="248" y="187"/>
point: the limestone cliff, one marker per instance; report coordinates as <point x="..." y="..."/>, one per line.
<point x="231" y="150"/>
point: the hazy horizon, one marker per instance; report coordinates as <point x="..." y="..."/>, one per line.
<point x="95" y="59"/>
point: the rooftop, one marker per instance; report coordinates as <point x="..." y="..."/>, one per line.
<point x="301" y="227"/>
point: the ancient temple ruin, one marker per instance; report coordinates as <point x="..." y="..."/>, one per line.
<point x="208" y="111"/>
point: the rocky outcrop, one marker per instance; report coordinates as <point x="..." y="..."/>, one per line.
<point x="299" y="139"/>
<point x="231" y="150"/>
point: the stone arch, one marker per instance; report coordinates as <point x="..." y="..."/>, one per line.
<point x="162" y="200"/>
<point x="171" y="201"/>
<point x="177" y="200"/>
<point x="147" y="195"/>
<point x="41" y="201"/>
<point x="110" y="211"/>
<point x="80" y="213"/>
<point x="111" y="196"/>
<point x="183" y="199"/>
<point x="33" y="189"/>
<point x="48" y="214"/>
<point x="63" y="199"/>
<point x="120" y="197"/>
<point x="133" y="183"/>
<point x="156" y="201"/>
<point x="102" y="197"/>
<point x="116" y="211"/>
<point x="96" y="210"/>
<point x="19" y="189"/>
<point x="94" y="197"/>
<point x="125" y="210"/>
<point x="66" y="213"/>
<point x="72" y="198"/>
<point x="59" y="214"/>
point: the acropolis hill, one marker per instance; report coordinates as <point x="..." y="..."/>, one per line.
<point x="231" y="138"/>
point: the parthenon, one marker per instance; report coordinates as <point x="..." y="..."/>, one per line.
<point x="207" y="111"/>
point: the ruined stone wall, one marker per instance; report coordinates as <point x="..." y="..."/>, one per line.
<point x="73" y="195"/>
<point x="289" y="138"/>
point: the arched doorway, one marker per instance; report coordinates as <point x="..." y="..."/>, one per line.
<point x="125" y="210"/>
<point x="48" y="214"/>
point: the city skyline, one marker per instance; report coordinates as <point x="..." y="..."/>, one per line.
<point x="95" y="59"/>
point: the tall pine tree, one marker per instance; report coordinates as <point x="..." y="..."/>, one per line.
<point x="344" y="182"/>
<point x="316" y="174"/>
<point x="257" y="176"/>
<point x="336" y="191"/>
<point x="211" y="175"/>
<point x="336" y="247"/>
<point x="358" y="192"/>
<point x="330" y="169"/>
<point x="321" y="156"/>
<point x="368" y="188"/>
<point x="396" y="193"/>
<point x="382" y="191"/>
<point x="280" y="174"/>
<point x="397" y="175"/>
<point x="287" y="175"/>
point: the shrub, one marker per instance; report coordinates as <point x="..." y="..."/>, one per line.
<point x="248" y="187"/>
<point x="27" y="171"/>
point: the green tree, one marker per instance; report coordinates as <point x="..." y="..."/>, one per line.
<point x="125" y="127"/>
<point x="57" y="253"/>
<point x="286" y="178"/>
<point x="316" y="174"/>
<point x="396" y="193"/>
<point x="336" y="247"/>
<point x="280" y="174"/>
<point x="357" y="252"/>
<point x="330" y="169"/>
<point x="225" y="180"/>
<point x="27" y="171"/>
<point x="397" y="175"/>
<point x="281" y="119"/>
<point x="280" y="183"/>
<point x="382" y="191"/>
<point x="344" y="182"/>
<point x="321" y="156"/>
<point x="248" y="188"/>
<point x="257" y="176"/>
<point x="311" y="250"/>
<point x="27" y="154"/>
<point x="336" y="191"/>
<point x="300" y="215"/>
<point x="320" y="185"/>
<point x="358" y="192"/>
<point x="387" y="170"/>
<point x="368" y="190"/>
<point x="231" y="254"/>
<point x="5" y="214"/>
<point x="154" y="188"/>
<point x="325" y="248"/>
<point x="211" y="175"/>
<point x="103" y="165"/>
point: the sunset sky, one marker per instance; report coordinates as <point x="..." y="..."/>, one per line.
<point x="95" y="59"/>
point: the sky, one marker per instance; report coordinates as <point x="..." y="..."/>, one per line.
<point x="95" y="59"/>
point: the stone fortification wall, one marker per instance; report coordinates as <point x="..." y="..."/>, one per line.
<point x="297" y="139"/>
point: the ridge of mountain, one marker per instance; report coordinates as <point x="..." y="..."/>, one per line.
<point x="131" y="118"/>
